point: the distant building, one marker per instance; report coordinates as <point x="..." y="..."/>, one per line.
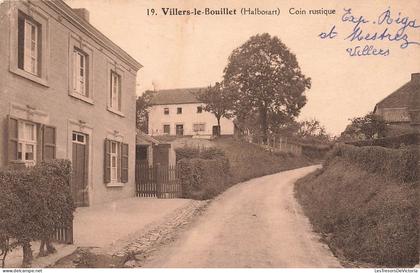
<point x="67" y="91"/>
<point x="401" y="109"/>
<point x="178" y="112"/>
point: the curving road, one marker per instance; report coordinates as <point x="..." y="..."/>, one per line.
<point x="254" y="224"/>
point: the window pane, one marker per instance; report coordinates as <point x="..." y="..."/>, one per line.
<point x="29" y="131"/>
<point x="19" y="157"/>
<point x="113" y="147"/>
<point x="29" y="153"/>
<point x="114" y="162"/>
<point x="74" y="137"/>
<point x="80" y="138"/>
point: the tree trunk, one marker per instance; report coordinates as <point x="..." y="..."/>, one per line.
<point x="264" y="124"/>
<point x="218" y="127"/>
<point x="27" y="254"/>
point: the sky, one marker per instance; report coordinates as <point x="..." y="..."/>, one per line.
<point x="192" y="51"/>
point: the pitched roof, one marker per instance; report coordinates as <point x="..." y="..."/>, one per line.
<point x="72" y="16"/>
<point x="402" y="97"/>
<point x="176" y="96"/>
<point x="145" y="139"/>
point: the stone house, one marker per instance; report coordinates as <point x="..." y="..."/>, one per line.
<point x="178" y="112"/>
<point x="67" y="91"/>
<point x="401" y="109"/>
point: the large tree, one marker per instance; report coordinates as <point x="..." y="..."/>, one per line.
<point x="267" y="80"/>
<point x="142" y="107"/>
<point x="218" y="101"/>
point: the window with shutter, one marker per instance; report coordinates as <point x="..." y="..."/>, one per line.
<point x="80" y="72"/>
<point x="115" y="91"/>
<point x="23" y="139"/>
<point x="116" y="162"/>
<point x="28" y="44"/>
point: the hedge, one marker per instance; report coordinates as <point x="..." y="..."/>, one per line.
<point x="33" y="203"/>
<point x="401" y="164"/>
<point x="203" y="178"/>
<point x="390" y="142"/>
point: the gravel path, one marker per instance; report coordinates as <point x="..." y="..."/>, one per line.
<point x="254" y="224"/>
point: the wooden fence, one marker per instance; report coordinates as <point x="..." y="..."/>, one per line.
<point x="64" y="235"/>
<point x="157" y="181"/>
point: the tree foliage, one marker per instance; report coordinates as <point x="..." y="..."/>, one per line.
<point x="370" y="126"/>
<point x="142" y="107"/>
<point x="266" y="79"/>
<point x="312" y="130"/>
<point x="217" y="100"/>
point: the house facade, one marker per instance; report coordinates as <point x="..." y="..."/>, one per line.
<point x="178" y="112"/>
<point x="67" y="91"/>
<point x="401" y="109"/>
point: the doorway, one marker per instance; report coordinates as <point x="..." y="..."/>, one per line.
<point x="80" y="159"/>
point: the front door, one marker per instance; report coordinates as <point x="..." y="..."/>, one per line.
<point x="79" y="185"/>
<point x="179" y="129"/>
<point x="216" y="130"/>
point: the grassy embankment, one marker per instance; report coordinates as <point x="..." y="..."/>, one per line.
<point x="365" y="204"/>
<point x="249" y="160"/>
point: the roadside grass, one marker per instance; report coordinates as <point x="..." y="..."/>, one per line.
<point x="367" y="219"/>
<point x="249" y="160"/>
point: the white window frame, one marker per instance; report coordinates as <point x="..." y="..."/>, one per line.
<point x="30" y="47"/>
<point x="24" y="141"/>
<point x="77" y="134"/>
<point x="25" y="10"/>
<point x="115" y="91"/>
<point x="80" y="66"/>
<point x="114" y="155"/>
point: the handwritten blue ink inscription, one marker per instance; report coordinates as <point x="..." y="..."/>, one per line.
<point x="393" y="29"/>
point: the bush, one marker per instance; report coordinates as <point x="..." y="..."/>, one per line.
<point x="203" y="178"/>
<point x="391" y="142"/>
<point x="39" y="200"/>
<point x="401" y="164"/>
<point x="205" y="153"/>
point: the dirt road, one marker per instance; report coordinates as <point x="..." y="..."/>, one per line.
<point x="254" y="224"/>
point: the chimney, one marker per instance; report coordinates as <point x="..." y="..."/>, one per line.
<point x="415" y="78"/>
<point x="82" y="13"/>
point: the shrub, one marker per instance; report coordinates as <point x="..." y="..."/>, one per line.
<point x="186" y="152"/>
<point x="202" y="178"/>
<point x="37" y="199"/>
<point x="391" y="142"/>
<point x="401" y="164"/>
<point x="10" y="212"/>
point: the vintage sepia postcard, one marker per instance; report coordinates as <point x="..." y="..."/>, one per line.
<point x="209" y="134"/>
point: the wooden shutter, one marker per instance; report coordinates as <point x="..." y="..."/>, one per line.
<point x="39" y="148"/>
<point x="48" y="142"/>
<point x="124" y="162"/>
<point x="107" y="161"/>
<point x="75" y="69"/>
<point x="12" y="149"/>
<point x="21" y="41"/>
